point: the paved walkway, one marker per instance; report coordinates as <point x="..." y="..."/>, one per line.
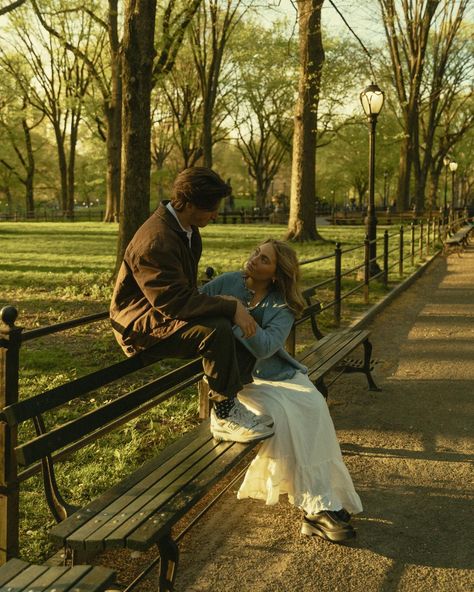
<point x="409" y="450"/>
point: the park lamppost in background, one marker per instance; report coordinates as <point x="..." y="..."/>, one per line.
<point x="446" y="161"/>
<point x="372" y="102"/>
<point x="453" y="168"/>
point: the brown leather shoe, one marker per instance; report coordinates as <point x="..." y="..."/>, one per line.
<point x="328" y="526"/>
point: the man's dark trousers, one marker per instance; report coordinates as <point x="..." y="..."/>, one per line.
<point x="227" y="363"/>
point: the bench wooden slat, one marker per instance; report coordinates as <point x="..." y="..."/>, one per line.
<point x="157" y="525"/>
<point x="125" y="513"/>
<point x="159" y="497"/>
<point x="28" y="577"/>
<point x="87" y="423"/>
<point x="24" y="576"/>
<point x="330" y="346"/>
<point x="98" y="578"/>
<point x="38" y="404"/>
<point x="186" y="444"/>
<point x="333" y="361"/>
<point x="19" y="576"/>
<point x="335" y="354"/>
<point x="11" y="569"/>
<point x="59" y="577"/>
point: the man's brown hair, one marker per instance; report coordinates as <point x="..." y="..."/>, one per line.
<point x="199" y="186"/>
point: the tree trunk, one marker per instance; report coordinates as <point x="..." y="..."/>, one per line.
<point x="114" y="145"/>
<point x="302" y="220"/>
<point x="404" y="168"/>
<point x="30" y="172"/>
<point x="113" y="115"/>
<point x="62" y="161"/>
<point x="207" y="136"/>
<point x="71" y="171"/>
<point x="138" y="54"/>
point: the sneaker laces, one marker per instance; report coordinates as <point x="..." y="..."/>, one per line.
<point x="243" y="416"/>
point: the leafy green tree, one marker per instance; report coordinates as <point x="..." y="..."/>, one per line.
<point x="16" y="115"/>
<point x="210" y="32"/>
<point x="105" y="70"/>
<point x="260" y="101"/>
<point x="55" y="86"/>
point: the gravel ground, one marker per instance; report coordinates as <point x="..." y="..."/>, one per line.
<point x="409" y="450"/>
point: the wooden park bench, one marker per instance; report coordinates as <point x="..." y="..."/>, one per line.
<point x="19" y="576"/>
<point x="328" y="356"/>
<point x="141" y="511"/>
<point x="457" y="241"/>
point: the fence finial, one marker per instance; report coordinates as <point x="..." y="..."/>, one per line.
<point x="9" y="314"/>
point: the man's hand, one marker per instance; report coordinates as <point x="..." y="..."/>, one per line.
<point x="245" y="321"/>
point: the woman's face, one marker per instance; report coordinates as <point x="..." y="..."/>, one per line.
<point x="262" y="263"/>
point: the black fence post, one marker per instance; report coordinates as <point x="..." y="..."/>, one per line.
<point x="420" y="242"/>
<point x="10" y="341"/>
<point x="337" y="284"/>
<point x="385" y="258"/>
<point x="412" y="245"/>
<point x="428" y="237"/>
<point x="401" y="253"/>
<point x="366" y="268"/>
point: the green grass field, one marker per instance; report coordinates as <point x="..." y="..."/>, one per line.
<point x="57" y="271"/>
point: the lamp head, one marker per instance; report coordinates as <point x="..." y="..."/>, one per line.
<point x="372" y="99"/>
<point x="446" y="160"/>
<point x="453" y="166"/>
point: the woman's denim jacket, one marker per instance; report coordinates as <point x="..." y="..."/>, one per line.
<point x="267" y="345"/>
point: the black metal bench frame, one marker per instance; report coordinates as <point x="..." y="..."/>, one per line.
<point x="328" y="355"/>
<point x="458" y="241"/>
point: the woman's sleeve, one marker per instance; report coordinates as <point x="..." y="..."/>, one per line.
<point x="214" y="287"/>
<point x="267" y="341"/>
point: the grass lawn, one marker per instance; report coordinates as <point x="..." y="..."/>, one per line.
<point x="57" y="271"/>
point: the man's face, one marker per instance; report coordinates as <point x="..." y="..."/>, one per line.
<point x="201" y="218"/>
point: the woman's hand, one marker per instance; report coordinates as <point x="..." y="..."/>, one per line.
<point x="244" y="320"/>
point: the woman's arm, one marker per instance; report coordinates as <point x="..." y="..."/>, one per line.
<point x="268" y="340"/>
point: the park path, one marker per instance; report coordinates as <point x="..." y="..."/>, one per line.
<point x="409" y="449"/>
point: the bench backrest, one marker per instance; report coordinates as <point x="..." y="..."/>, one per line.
<point x="67" y="436"/>
<point x="310" y="312"/>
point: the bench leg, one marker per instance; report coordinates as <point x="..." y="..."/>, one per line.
<point x="169" y="555"/>
<point x="366" y="367"/>
<point x="321" y="386"/>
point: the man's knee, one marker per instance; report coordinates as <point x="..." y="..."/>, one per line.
<point x="219" y="330"/>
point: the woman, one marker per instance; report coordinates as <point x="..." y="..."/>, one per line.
<point x="303" y="458"/>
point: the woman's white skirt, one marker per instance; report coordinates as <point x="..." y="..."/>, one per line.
<point x="303" y="459"/>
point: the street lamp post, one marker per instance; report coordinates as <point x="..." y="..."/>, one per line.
<point x="453" y="168"/>
<point x="446" y="161"/>
<point x="372" y="99"/>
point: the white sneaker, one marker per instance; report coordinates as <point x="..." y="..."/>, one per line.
<point x="236" y="428"/>
<point x="250" y="416"/>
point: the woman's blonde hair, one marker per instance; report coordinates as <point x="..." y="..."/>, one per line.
<point x="287" y="275"/>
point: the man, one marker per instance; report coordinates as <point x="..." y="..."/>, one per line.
<point x="157" y="307"/>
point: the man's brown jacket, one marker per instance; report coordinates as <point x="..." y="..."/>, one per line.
<point x="156" y="288"/>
